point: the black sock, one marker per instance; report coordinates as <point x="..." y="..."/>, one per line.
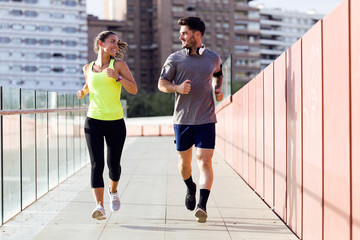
<point x="204" y="195"/>
<point x="190" y="184"/>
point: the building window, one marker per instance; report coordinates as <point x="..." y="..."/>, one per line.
<point x="57" y="56"/>
<point x="16" y="13"/>
<point x="4" y="54"/>
<point x="45" y="28"/>
<point x="4" y="12"/>
<point x="30" y="41"/>
<point x="31" y="1"/>
<point x="57" y="15"/>
<point x="44" y="15"/>
<point x="44" y="2"/>
<point x="57" y="42"/>
<point x="70" y="3"/>
<point x="44" y="69"/>
<point x="30" y="55"/>
<point x="44" y="42"/>
<point x="56" y="2"/>
<point x="17" y="27"/>
<point x="30" y="14"/>
<point x="69" y="56"/>
<point x="16" y="55"/>
<point x="70" y="43"/>
<point x="71" y="70"/>
<point x="57" y="29"/>
<point x="58" y="69"/>
<point x="177" y="8"/>
<point x="4" y="68"/>
<point x="30" y="68"/>
<point x="69" y="16"/>
<point x="16" y="68"/>
<point x="30" y="27"/>
<point x="16" y="41"/>
<point x="70" y="29"/>
<point x="44" y="55"/>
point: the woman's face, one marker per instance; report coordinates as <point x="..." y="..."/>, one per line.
<point x="110" y="45"/>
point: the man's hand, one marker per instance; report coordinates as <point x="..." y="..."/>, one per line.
<point x="184" y="88"/>
<point x="219" y="95"/>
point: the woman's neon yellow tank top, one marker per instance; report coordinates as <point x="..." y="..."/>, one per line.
<point x="104" y="95"/>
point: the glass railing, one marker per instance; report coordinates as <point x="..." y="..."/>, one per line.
<point x="42" y="144"/>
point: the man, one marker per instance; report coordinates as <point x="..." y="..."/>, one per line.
<point x="189" y="73"/>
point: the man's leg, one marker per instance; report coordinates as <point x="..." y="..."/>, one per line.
<point x="204" y="159"/>
<point x="184" y="165"/>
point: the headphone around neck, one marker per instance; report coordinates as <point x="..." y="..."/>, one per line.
<point x="199" y="50"/>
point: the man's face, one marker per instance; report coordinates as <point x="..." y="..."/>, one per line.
<point x="187" y="37"/>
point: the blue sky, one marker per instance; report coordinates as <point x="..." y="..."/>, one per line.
<point x="320" y="6"/>
<point x="95" y="7"/>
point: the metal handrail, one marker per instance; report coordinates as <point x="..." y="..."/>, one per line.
<point x="29" y="111"/>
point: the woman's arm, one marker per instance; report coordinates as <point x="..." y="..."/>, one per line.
<point x="85" y="90"/>
<point x="127" y="79"/>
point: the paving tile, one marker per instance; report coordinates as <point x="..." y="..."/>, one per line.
<point x="152" y="196"/>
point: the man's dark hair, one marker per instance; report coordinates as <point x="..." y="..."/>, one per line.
<point x="193" y="23"/>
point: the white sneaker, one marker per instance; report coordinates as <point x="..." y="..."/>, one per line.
<point x="114" y="201"/>
<point x="99" y="212"/>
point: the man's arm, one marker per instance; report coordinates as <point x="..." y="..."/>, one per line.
<point x="168" y="87"/>
<point x="218" y="84"/>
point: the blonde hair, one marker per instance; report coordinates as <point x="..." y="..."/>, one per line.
<point x="120" y="54"/>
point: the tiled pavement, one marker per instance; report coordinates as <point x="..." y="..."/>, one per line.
<point x="152" y="197"/>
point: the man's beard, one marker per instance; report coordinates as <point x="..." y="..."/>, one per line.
<point x="191" y="43"/>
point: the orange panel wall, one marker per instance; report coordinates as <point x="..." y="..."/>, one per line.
<point x="306" y="122"/>
<point x="280" y="135"/>
<point x="252" y="134"/>
<point x="269" y="134"/>
<point x="237" y="99"/>
<point x="294" y="137"/>
<point x="355" y="114"/>
<point x="336" y="125"/>
<point x="229" y="133"/>
<point x="245" y="124"/>
<point x="312" y="133"/>
<point x="259" y="134"/>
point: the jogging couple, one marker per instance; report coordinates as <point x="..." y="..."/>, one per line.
<point x="189" y="73"/>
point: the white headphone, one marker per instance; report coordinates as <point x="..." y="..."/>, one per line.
<point x="199" y="50"/>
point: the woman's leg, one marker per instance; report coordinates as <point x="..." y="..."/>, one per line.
<point x="115" y="139"/>
<point x="95" y="143"/>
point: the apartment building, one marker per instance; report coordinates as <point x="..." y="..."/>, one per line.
<point x="43" y="44"/>
<point x="152" y="32"/>
<point x="280" y="29"/>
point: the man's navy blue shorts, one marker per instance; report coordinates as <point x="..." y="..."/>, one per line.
<point x="203" y="136"/>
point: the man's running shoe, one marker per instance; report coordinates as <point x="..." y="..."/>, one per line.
<point x="201" y="215"/>
<point x="190" y="200"/>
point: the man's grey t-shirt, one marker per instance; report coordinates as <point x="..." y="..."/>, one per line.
<point x="198" y="106"/>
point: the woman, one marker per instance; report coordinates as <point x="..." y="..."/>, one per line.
<point x="104" y="79"/>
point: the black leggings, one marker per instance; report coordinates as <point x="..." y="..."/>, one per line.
<point x="114" y="133"/>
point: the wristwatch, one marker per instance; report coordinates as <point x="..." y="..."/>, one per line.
<point x="119" y="79"/>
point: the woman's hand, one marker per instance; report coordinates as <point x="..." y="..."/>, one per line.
<point x="80" y="94"/>
<point x="111" y="73"/>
